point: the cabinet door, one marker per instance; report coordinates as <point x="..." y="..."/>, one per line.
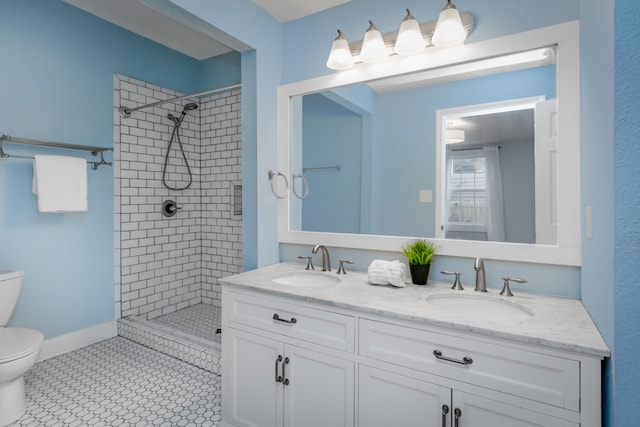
<point x="318" y="390"/>
<point x="391" y="399"/>
<point x="476" y="411"/>
<point x="252" y="397"/>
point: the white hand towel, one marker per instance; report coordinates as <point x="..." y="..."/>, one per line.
<point x="392" y="273"/>
<point x="60" y="182"/>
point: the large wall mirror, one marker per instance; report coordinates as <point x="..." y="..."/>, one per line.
<point x="476" y="148"/>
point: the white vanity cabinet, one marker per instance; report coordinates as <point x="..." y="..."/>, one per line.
<point x="313" y="359"/>
<point x="470" y="382"/>
<point x="292" y="370"/>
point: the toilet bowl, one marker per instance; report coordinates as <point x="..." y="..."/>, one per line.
<point x="19" y="351"/>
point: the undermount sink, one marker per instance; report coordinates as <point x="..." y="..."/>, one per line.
<point x="480" y="307"/>
<point x="307" y="279"/>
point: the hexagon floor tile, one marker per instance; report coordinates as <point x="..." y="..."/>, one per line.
<point x="117" y="382"/>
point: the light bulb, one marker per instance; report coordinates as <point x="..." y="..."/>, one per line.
<point x="449" y="29"/>
<point x="340" y="57"/>
<point x="373" y="48"/>
<point x="410" y="39"/>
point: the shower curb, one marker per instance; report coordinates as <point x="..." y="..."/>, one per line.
<point x="177" y="344"/>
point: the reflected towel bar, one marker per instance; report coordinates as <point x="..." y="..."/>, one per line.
<point x="322" y="168"/>
<point x="27" y="141"/>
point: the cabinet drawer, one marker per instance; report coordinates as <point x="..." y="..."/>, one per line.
<point x="317" y="326"/>
<point x="547" y="379"/>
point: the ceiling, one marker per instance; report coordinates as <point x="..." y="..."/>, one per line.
<point x="500" y="128"/>
<point x="288" y="10"/>
<point x="140" y="18"/>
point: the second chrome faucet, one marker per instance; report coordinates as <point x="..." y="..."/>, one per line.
<point x="481" y="281"/>
<point x="326" y="262"/>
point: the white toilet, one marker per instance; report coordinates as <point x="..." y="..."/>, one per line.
<point x="19" y="350"/>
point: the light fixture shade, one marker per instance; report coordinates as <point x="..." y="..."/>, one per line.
<point x="449" y="29"/>
<point x="340" y="56"/>
<point x="373" y="48"/>
<point x="410" y="39"/>
<point x="453" y="136"/>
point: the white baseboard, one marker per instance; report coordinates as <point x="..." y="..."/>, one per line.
<point x="74" y="340"/>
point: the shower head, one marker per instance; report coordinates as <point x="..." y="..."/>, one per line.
<point x="188" y="107"/>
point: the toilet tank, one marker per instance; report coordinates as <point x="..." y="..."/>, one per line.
<point x="10" y="283"/>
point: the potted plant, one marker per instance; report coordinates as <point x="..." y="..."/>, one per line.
<point x="419" y="253"/>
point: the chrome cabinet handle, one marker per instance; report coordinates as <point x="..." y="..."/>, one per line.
<point x="465" y="360"/>
<point x="278" y="360"/>
<point x="457" y="413"/>
<point x="284" y="366"/>
<point x="291" y="321"/>
<point x="445" y="411"/>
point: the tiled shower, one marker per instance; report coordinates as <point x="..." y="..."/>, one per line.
<point x="168" y="264"/>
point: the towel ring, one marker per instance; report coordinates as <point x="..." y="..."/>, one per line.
<point x="272" y="177"/>
<point x="306" y="186"/>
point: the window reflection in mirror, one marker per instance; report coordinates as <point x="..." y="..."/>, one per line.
<point x="384" y="142"/>
<point x="498" y="174"/>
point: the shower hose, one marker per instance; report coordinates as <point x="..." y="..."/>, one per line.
<point x="176" y="135"/>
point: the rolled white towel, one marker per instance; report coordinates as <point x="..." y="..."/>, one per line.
<point x="383" y="273"/>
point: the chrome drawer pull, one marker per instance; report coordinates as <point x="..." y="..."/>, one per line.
<point x="445" y="411"/>
<point x="465" y="360"/>
<point x="276" y="317"/>
<point x="278" y="360"/>
<point x="457" y="413"/>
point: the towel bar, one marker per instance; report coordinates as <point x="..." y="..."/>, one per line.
<point x="27" y="141"/>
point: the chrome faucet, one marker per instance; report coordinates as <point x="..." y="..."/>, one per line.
<point x="481" y="283"/>
<point x="326" y="262"/>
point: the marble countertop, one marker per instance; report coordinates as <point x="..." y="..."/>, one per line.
<point x="558" y="323"/>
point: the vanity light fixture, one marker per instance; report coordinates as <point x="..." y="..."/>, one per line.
<point x="340" y="57"/>
<point x="451" y="29"/>
<point x="373" y="47"/>
<point x="454" y="136"/>
<point x="410" y="39"/>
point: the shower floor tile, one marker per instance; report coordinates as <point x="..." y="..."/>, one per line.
<point x="200" y="320"/>
<point x="117" y="382"/>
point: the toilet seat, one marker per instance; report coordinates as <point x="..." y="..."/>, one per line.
<point x="16" y="343"/>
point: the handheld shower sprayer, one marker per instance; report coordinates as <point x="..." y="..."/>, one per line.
<point x="177" y="121"/>
<point x="188" y="107"/>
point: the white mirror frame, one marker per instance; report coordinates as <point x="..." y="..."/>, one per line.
<point x="567" y="250"/>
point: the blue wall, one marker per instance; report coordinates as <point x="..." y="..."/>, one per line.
<point x="597" y="124"/>
<point x="306" y="41"/>
<point x="627" y="205"/>
<point x="57" y="84"/>
<point x="244" y="21"/>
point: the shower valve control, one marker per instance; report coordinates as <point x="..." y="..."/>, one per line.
<point x="170" y="208"/>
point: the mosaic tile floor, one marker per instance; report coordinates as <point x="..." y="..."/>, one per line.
<point x="117" y="382"/>
<point x="200" y="320"/>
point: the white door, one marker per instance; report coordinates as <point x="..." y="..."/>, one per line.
<point x="474" y="411"/>
<point x="318" y="389"/>
<point x="252" y="396"/>
<point x="390" y="399"/>
<point x="546" y="172"/>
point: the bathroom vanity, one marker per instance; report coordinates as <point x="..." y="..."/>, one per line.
<point x="307" y="348"/>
